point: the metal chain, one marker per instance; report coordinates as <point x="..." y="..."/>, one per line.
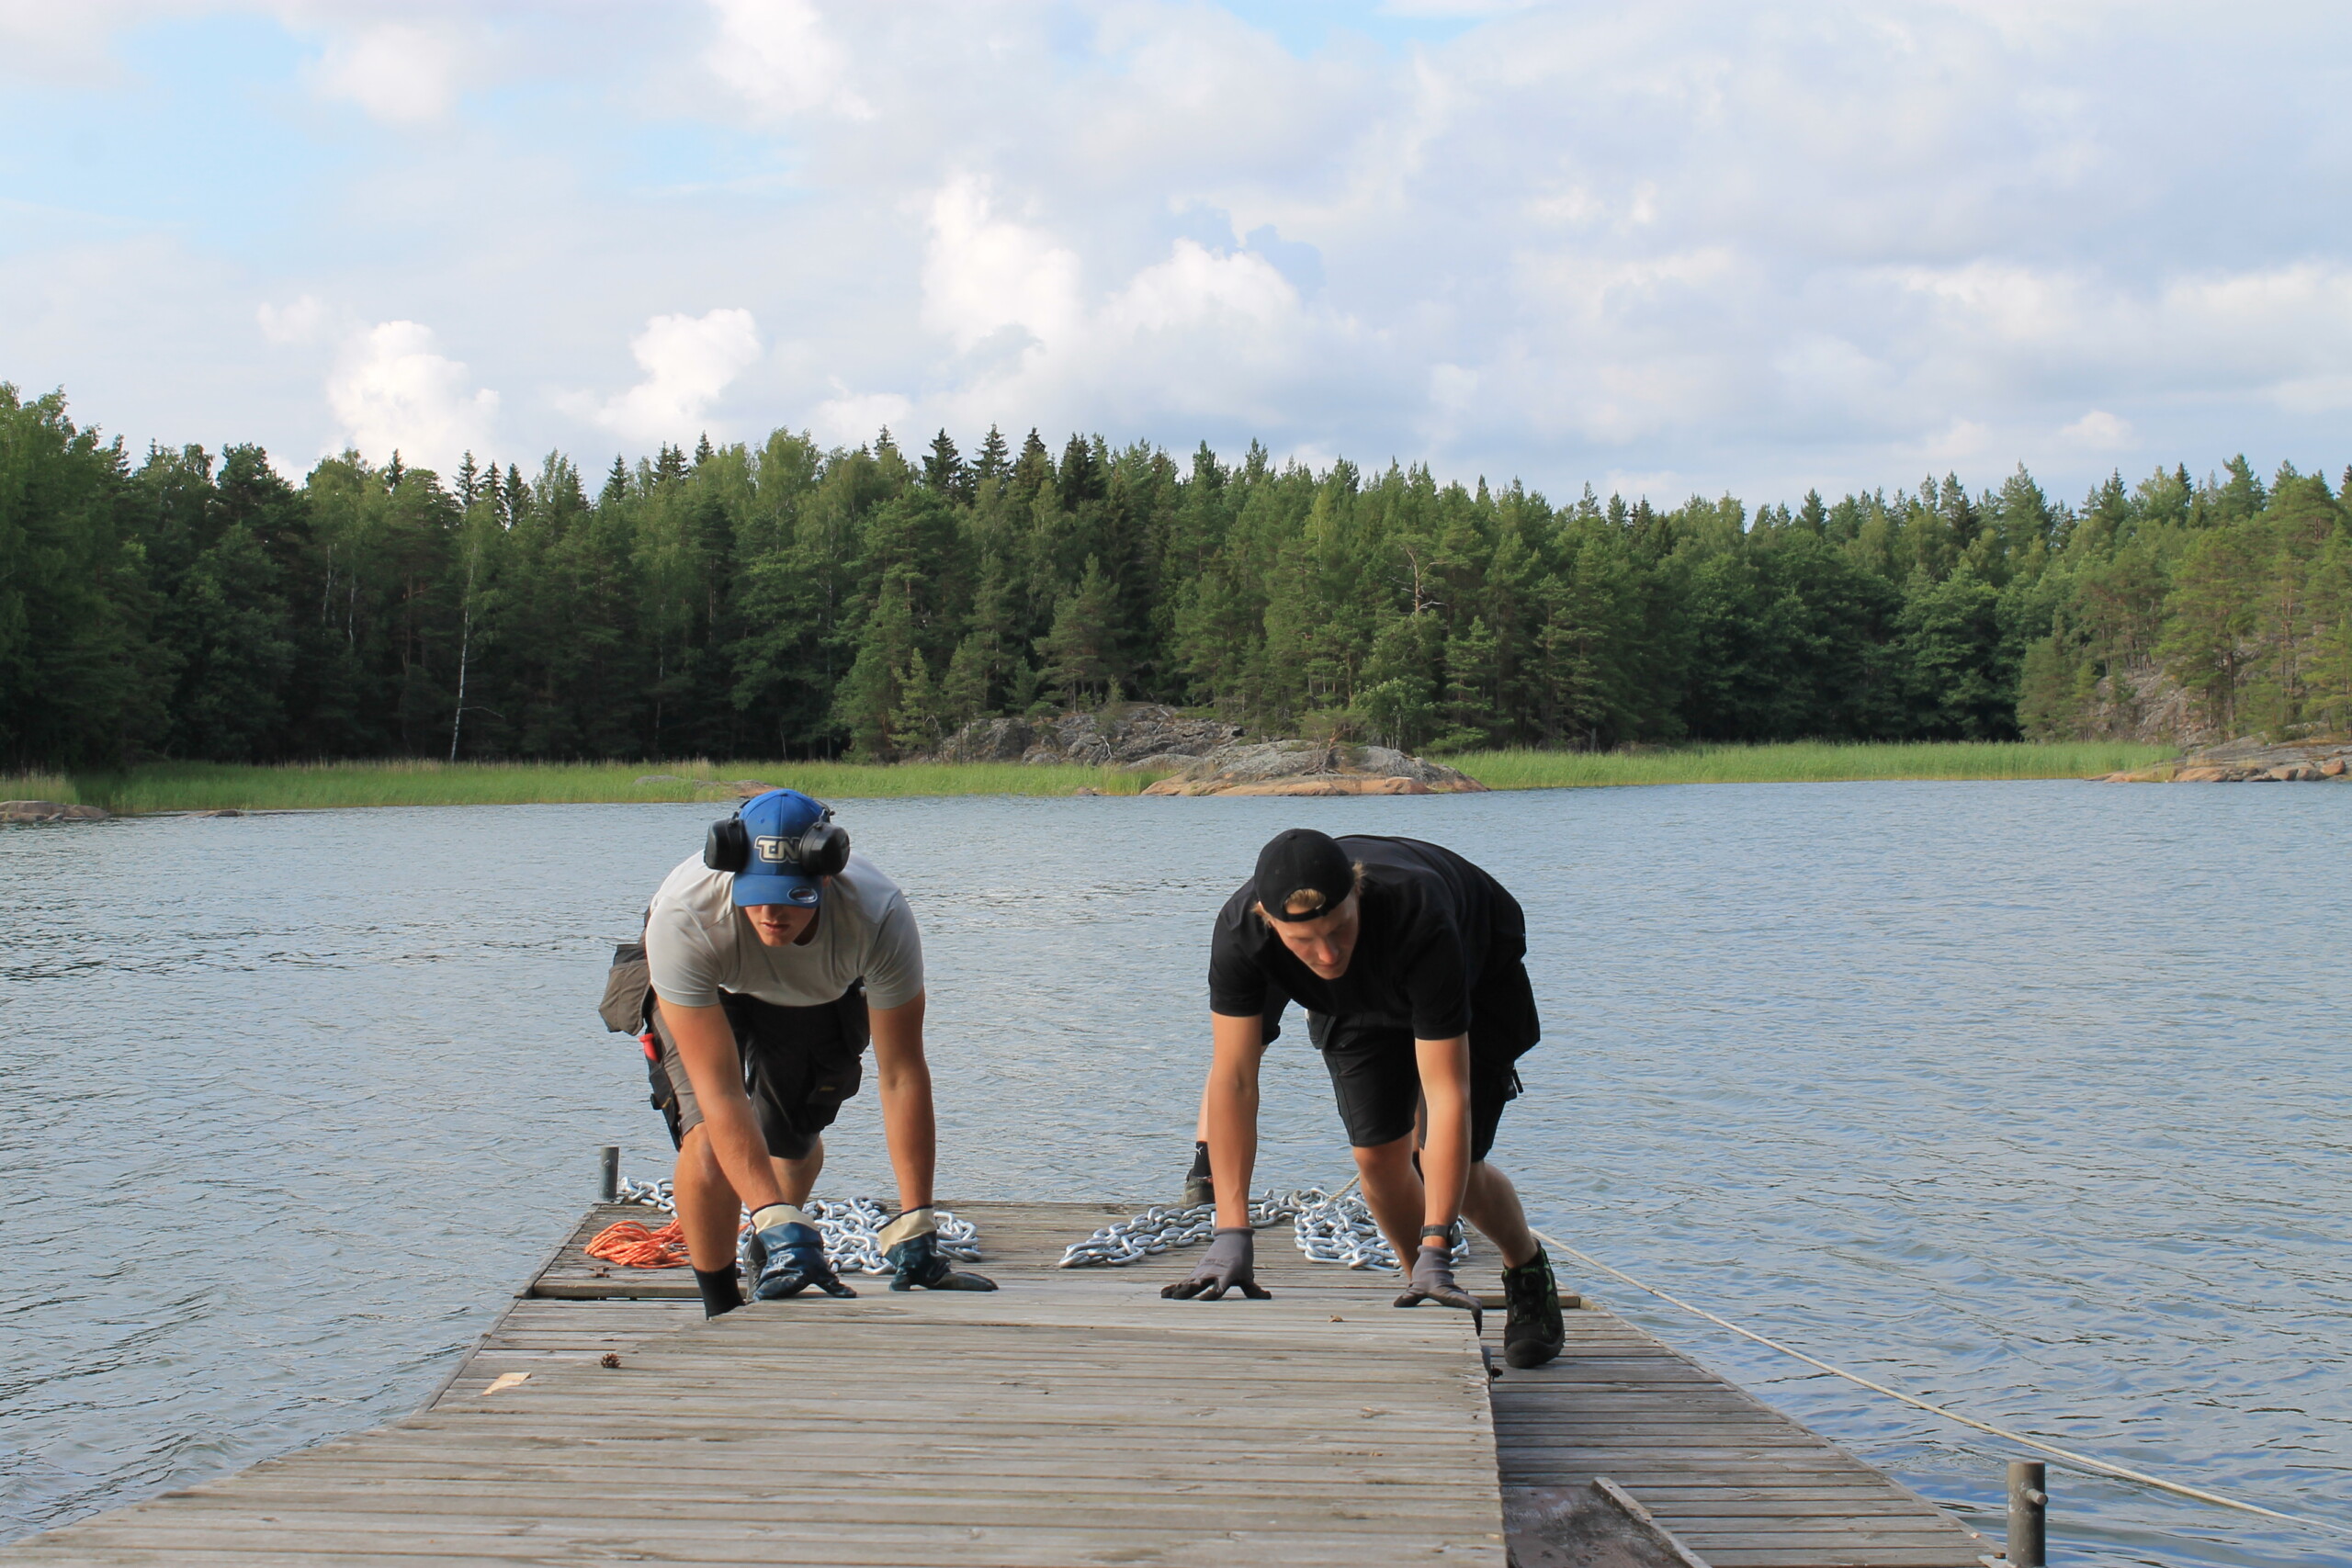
<point x="853" y="1233"/>
<point x="1329" y="1228"/>
<point x="852" y="1230"/>
<point x="648" y="1194"/>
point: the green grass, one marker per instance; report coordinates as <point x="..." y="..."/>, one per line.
<point x="211" y="787"/>
<point x="38" y="786"/>
<point x="1808" y="762"/>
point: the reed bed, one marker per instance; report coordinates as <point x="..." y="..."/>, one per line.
<point x="295" y="787"/>
<point x="1809" y="762"/>
<point x="38" y="786"/>
<point x="202" y="786"/>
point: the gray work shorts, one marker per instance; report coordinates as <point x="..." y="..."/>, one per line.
<point x="799" y="1065"/>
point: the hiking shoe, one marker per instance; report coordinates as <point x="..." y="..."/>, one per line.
<point x="1533" y="1333"/>
<point x="1199" y="1188"/>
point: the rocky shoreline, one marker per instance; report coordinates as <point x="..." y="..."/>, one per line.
<point x="1202" y="756"/>
<point x="2252" y="762"/>
<point x="51" y="811"/>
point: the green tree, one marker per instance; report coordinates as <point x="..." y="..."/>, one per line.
<point x="2210" y="617"/>
<point x="1076" y="653"/>
<point x="82" y="679"/>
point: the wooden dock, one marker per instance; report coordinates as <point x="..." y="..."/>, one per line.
<point x="1072" y="1417"/>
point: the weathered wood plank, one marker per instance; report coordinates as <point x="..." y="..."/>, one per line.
<point x="1738" y="1482"/>
<point x="1071" y="1417"/>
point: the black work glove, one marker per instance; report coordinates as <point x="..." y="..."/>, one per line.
<point x="795" y="1260"/>
<point x="1433" y="1280"/>
<point x="1230" y="1264"/>
<point x="912" y="1244"/>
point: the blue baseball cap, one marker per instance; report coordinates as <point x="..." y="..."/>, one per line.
<point x="775" y="823"/>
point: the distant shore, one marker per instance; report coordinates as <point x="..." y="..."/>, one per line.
<point x="211" y="787"/>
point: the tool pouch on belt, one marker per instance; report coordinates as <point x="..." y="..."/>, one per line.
<point x="628" y="1008"/>
<point x="628" y="988"/>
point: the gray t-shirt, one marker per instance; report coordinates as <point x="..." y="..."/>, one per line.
<point x="697" y="943"/>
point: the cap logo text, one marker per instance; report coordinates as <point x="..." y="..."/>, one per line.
<point x="769" y="849"/>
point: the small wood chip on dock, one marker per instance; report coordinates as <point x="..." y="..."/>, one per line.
<point x="1071" y="1417"/>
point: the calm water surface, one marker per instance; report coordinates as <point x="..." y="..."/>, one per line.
<point x="2028" y="1098"/>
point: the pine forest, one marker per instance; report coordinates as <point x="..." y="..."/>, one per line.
<point x="785" y="601"/>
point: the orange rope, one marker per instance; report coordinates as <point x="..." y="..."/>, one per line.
<point x="630" y="1243"/>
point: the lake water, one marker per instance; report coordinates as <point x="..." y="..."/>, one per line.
<point x="2028" y="1098"/>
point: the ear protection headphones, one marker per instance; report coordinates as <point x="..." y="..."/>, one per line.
<point x="822" y="849"/>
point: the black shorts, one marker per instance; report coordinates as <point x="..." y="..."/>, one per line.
<point x="1377" y="1079"/>
<point x="799" y="1064"/>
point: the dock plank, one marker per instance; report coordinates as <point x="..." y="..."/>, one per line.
<point x="1072" y="1417"/>
<point x="1738" y="1482"/>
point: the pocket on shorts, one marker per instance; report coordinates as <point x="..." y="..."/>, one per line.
<point x="833" y="1080"/>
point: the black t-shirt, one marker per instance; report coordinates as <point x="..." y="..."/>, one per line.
<point x="1439" y="952"/>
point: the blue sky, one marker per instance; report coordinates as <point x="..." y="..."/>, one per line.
<point x="1669" y="249"/>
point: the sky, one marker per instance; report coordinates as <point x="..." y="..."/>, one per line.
<point x="1662" y="249"/>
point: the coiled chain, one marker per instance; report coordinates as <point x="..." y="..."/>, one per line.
<point x="1327" y="1229"/>
<point x="852" y="1230"/>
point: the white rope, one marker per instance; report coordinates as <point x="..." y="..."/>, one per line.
<point x="2083" y="1461"/>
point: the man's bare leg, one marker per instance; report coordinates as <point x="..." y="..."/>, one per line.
<point x="710" y="1214"/>
<point x="799" y="1177"/>
<point x="706" y="1203"/>
<point x="1392" y="1188"/>
<point x="1491" y="1203"/>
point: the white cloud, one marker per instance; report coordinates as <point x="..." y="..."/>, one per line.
<point x="982" y="274"/>
<point x="1749" y="247"/>
<point x="393" y="390"/>
<point x="403" y="73"/>
<point x="1194" y="286"/>
<point x="688" y="361"/>
<point x="2100" y="430"/>
<point x="853" y="419"/>
<point x="783" y="60"/>
<point x="41" y="39"/>
<point x="300" y="322"/>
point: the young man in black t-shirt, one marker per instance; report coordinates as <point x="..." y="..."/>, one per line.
<point x="1408" y="959"/>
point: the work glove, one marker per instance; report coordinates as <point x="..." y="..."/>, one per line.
<point x="912" y="1244"/>
<point x="1433" y="1281"/>
<point x="794" y="1256"/>
<point x="1230" y="1264"/>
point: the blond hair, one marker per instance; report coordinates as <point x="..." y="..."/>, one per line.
<point x="1308" y="903"/>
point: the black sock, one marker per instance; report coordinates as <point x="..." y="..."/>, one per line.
<point x="1200" y="1162"/>
<point x="720" y="1293"/>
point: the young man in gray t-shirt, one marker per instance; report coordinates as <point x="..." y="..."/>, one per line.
<point x="773" y="958"/>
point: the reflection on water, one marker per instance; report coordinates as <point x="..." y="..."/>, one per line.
<point x="2028" y="1098"/>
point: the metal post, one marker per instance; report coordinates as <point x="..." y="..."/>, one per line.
<point x="608" y="1185"/>
<point x="2029" y="1514"/>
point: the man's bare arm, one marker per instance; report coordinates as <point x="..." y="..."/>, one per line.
<point x="1445" y="1157"/>
<point x="903" y="1074"/>
<point x="1229" y="1112"/>
<point x="706" y="1044"/>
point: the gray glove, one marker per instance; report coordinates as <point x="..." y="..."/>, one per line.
<point x="1433" y="1280"/>
<point x="1230" y="1264"/>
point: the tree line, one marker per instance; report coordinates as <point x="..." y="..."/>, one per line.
<point x="787" y="600"/>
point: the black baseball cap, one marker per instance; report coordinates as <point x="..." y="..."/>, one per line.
<point x="1300" y="860"/>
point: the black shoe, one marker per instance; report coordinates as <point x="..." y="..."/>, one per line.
<point x="1534" y="1333"/>
<point x="1198" y="1188"/>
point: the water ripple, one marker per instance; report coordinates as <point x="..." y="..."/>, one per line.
<point x="2027" y="1098"/>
